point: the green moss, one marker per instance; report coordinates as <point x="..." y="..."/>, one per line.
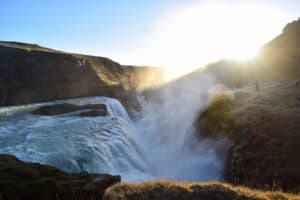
<point x="217" y="117"/>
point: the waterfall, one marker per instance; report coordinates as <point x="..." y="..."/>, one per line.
<point x="116" y="109"/>
<point x="157" y="146"/>
<point x="73" y="143"/>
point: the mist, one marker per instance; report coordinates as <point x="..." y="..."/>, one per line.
<point x="161" y="143"/>
<point x="170" y="144"/>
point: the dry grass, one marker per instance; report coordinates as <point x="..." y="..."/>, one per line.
<point x="189" y="191"/>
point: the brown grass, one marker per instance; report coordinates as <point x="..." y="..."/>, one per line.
<point x="189" y="191"/>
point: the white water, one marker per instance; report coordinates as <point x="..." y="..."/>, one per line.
<point x="158" y="146"/>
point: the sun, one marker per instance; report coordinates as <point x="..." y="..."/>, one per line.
<point x="186" y="38"/>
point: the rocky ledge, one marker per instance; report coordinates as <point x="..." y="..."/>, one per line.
<point x="20" y="180"/>
<point x="57" y="109"/>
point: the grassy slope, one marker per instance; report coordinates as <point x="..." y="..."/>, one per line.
<point x="189" y="191"/>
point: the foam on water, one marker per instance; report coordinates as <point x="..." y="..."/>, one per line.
<point x="72" y="143"/>
<point x="112" y="144"/>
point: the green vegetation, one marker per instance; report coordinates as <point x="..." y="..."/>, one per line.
<point x="217" y="117"/>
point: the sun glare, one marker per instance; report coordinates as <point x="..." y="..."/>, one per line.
<point x="187" y="38"/>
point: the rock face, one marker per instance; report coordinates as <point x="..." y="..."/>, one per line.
<point x="30" y="73"/>
<point x="93" y="113"/>
<point x="57" y="109"/>
<point x="189" y="191"/>
<point x="265" y="132"/>
<point x="20" y="180"/>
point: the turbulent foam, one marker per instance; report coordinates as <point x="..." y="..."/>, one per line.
<point x="72" y="143"/>
<point x="113" y="144"/>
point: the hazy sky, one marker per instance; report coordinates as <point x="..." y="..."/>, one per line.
<point x="118" y="29"/>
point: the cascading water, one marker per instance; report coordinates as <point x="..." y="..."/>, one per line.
<point x="73" y="143"/>
<point x="157" y="146"/>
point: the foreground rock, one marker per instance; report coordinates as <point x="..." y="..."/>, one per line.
<point x="189" y="191"/>
<point x="20" y="180"/>
<point x="265" y="132"/>
<point x="57" y="109"/>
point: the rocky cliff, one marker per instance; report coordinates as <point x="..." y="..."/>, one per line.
<point x="264" y="129"/>
<point x="30" y="73"/>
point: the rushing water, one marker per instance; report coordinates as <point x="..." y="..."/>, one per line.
<point x="111" y="144"/>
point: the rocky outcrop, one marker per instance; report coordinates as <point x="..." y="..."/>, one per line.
<point x="189" y="191"/>
<point x="20" y="180"/>
<point x="93" y="113"/>
<point x="265" y="132"/>
<point x="58" y="109"/>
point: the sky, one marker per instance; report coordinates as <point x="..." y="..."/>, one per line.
<point x="146" y="32"/>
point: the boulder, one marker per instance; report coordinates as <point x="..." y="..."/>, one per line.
<point x="21" y="180"/>
<point x="93" y="113"/>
